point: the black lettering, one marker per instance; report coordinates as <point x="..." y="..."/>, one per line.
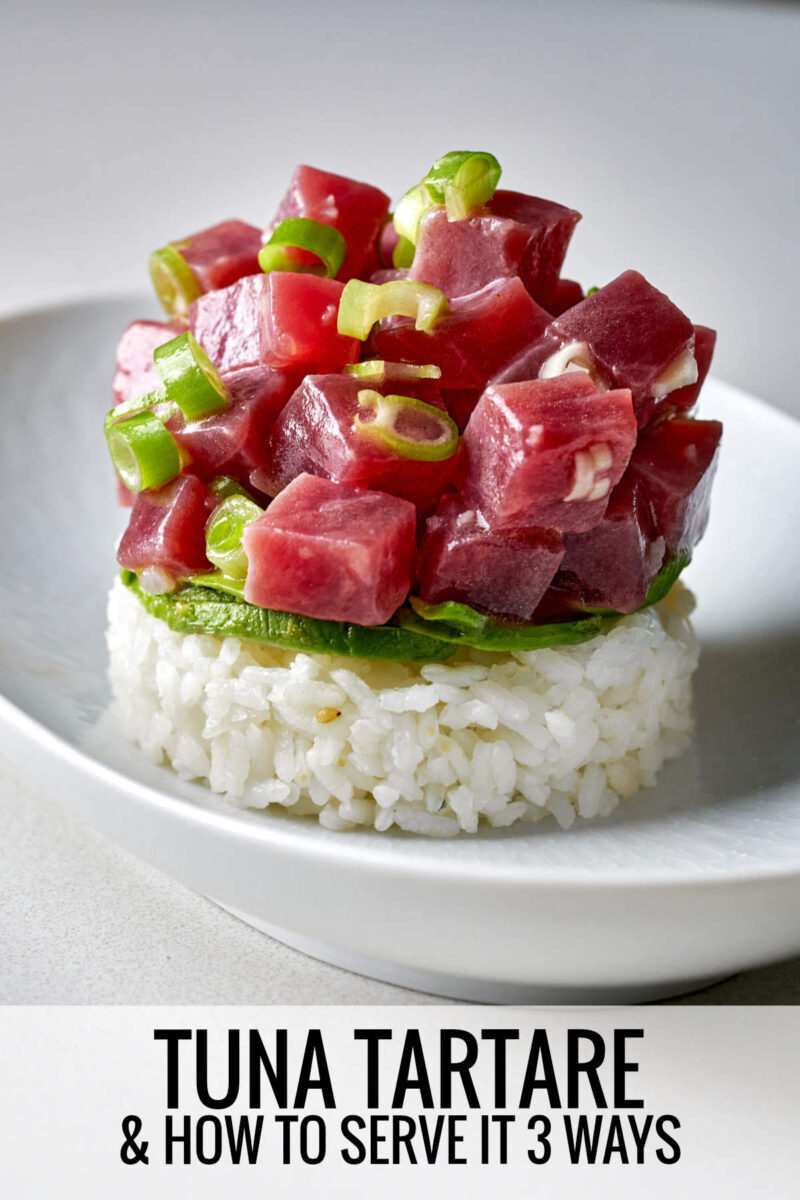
<point x="172" y="1037"/>
<point x="615" y="1142"/>
<point x="314" y="1057"/>
<point x="277" y="1075"/>
<point x="589" y="1067"/>
<point x="171" y="1139"/>
<point x="462" y="1067"/>
<point x="376" y="1138"/>
<point x="309" y="1156"/>
<point x="412" y="1056"/>
<point x="579" y="1140"/>
<point x="640" y="1135"/>
<point x="431" y="1144"/>
<point x="203" y="1093"/>
<point x="404" y="1139"/>
<point x="672" y="1155"/>
<point x="353" y="1158"/>
<point x="286" y="1120"/>
<point x="501" y="1038"/>
<point x="454" y="1138"/>
<point x="373" y="1038"/>
<point x="542" y="1155"/>
<point x="622" y="1067"/>
<point x="540" y="1053"/>
<point x="203" y="1124"/>
<point x="247" y="1138"/>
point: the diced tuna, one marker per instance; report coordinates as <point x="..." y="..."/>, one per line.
<point x="235" y="441"/>
<point x="676" y="462"/>
<point x="634" y="336"/>
<point x="167" y="529"/>
<point x="517" y="236"/>
<point x="333" y="552"/>
<point x="135" y="373"/>
<point x="357" y="210"/>
<point x="463" y="559"/>
<point x="551" y="227"/>
<point x="316" y="434"/>
<point x="547" y="452"/>
<point x="566" y="294"/>
<point x="460" y="403"/>
<point x="225" y="323"/>
<point x="298" y="323"/>
<point x="481" y="334"/>
<point x="686" y="397"/>
<point x="613" y="565"/>
<point x="222" y="254"/>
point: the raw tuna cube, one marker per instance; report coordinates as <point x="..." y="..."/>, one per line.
<point x="676" y="462"/>
<point x="517" y="235"/>
<point x="565" y="294"/>
<point x="529" y="362"/>
<point x="481" y="334"/>
<point x="298" y="323"/>
<point x="462" y="559"/>
<point x="222" y="254"/>
<point x="357" y="210"/>
<point x="315" y="434"/>
<point x="547" y="452"/>
<point x="551" y="226"/>
<point x="460" y="403"/>
<point x="613" y="565"/>
<point x="633" y="333"/>
<point x="686" y="397"/>
<point x="225" y="323"/>
<point x="337" y="553"/>
<point x="167" y="529"/>
<point x="235" y="441"/>
<point x="135" y="373"/>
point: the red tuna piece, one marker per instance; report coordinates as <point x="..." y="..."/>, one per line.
<point x="357" y="210"/>
<point x="685" y="398"/>
<point x="463" y="559"/>
<point x="235" y="441"/>
<point x="634" y="335"/>
<point x="547" y="452"/>
<point x="551" y="227"/>
<point x="316" y="434"/>
<point x="337" y="553"/>
<point x="481" y="334"/>
<point x="222" y="254"/>
<point x="167" y="529"/>
<point x="676" y="462"/>
<point x="298" y="323"/>
<point x="613" y="565"/>
<point x="565" y="294"/>
<point x="460" y="403"/>
<point x="519" y="235"/>
<point x="225" y="323"/>
<point x="135" y="373"/>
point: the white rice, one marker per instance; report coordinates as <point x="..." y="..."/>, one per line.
<point x="433" y="749"/>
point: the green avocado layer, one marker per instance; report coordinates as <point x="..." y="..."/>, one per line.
<point x="419" y="633"/>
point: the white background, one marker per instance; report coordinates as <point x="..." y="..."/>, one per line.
<point x="671" y="125"/>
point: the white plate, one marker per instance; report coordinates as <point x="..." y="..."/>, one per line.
<point x="695" y="879"/>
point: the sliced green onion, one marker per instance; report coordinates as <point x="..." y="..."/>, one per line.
<point x="190" y="378"/>
<point x="301" y="233"/>
<point x="408" y="214"/>
<point x="224" y="485"/>
<point x="362" y="304"/>
<point x="463" y="180"/>
<point x="138" y="404"/>
<point x="377" y="370"/>
<point x="224" y="534"/>
<point x="403" y="254"/>
<point x="143" y="451"/>
<point x="590" y="292"/>
<point x="173" y="279"/>
<point x="406" y="426"/>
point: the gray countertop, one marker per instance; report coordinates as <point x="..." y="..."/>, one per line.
<point x="671" y="125"/>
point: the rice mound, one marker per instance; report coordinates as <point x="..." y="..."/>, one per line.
<point x="430" y="748"/>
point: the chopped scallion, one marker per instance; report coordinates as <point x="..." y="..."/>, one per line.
<point x="362" y="304"/>
<point x="376" y="370"/>
<point x="403" y="254"/>
<point x="190" y="378"/>
<point x="406" y="426"/>
<point x="408" y="214"/>
<point x="463" y="180"/>
<point x="143" y="451"/>
<point x="173" y="279"/>
<point x="301" y="233"/>
<point x="224" y="534"/>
